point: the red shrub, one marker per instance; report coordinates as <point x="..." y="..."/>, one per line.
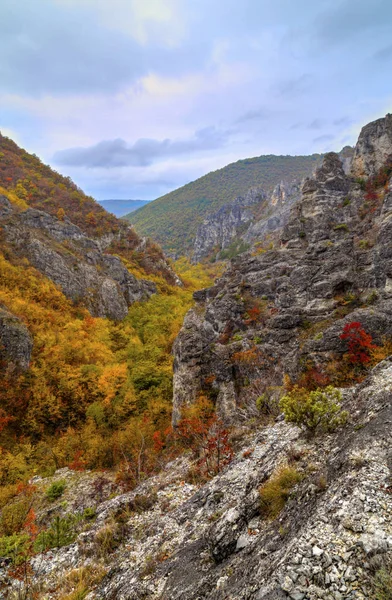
<point x="359" y="343"/>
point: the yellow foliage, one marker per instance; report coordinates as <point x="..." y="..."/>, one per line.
<point x="15" y="197"/>
<point x="96" y="390"/>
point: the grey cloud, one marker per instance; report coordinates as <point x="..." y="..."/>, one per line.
<point x="254" y="115"/>
<point x="353" y="18"/>
<point x="383" y="54"/>
<point x="296" y="126"/>
<point x="144" y="152"/>
<point x="323" y="138"/>
<point x="343" y="122"/>
<point x="47" y="47"/>
<point x="316" y="124"/>
<point x="296" y="86"/>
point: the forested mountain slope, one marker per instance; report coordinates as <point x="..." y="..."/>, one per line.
<point x="88" y="314"/>
<point x="173" y="219"/>
<point x="39" y="186"/>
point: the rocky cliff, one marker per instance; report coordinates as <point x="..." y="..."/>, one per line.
<point x="245" y="220"/>
<point x="287" y="307"/>
<point x="254" y="217"/>
<point x="76" y="263"/>
<point x="219" y="229"/>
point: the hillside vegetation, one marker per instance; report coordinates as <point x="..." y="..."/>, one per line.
<point x="172" y="220"/>
<point x="94" y="387"/>
<point x="38" y="186"/>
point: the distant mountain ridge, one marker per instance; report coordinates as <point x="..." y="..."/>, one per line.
<point x="122" y="207"/>
<point x="173" y="219"/>
<point x="250" y="218"/>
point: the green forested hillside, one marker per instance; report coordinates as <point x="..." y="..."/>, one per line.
<point x="172" y="220"/>
<point x="89" y="386"/>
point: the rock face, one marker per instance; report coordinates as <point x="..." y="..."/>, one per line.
<point x="172" y="540"/>
<point x="15" y="341"/>
<point x="244" y="220"/>
<point x="275" y="214"/>
<point x="374" y="147"/>
<point x="74" y="262"/>
<point x="221" y="228"/>
<point x="286" y="307"/>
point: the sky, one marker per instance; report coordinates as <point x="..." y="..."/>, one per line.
<point x="134" y="98"/>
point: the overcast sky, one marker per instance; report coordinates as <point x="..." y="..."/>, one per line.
<point x="133" y="98"/>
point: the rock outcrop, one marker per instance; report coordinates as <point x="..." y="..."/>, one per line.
<point x="73" y="261"/>
<point x="259" y="215"/>
<point x="16" y="342"/>
<point x="374" y="147"/>
<point x="287" y="307"/>
<point x="219" y="230"/>
<point x="244" y="220"/>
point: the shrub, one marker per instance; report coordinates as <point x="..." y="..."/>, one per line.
<point x="106" y="540"/>
<point x="372" y="298"/>
<point x="317" y="410"/>
<point x="89" y="513"/>
<point x="341" y="227"/>
<point x="382" y="583"/>
<point x="268" y="402"/>
<point x="359" y="343"/>
<point x="15" y="547"/>
<point x="275" y="492"/>
<point x="13" y="516"/>
<point x="55" y="490"/>
<point x="77" y="584"/>
<point x="61" y="532"/>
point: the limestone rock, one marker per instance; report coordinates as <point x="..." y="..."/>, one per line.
<point x="74" y="262"/>
<point x="374" y="147"/>
<point x="16" y="342"/>
<point x="331" y="265"/>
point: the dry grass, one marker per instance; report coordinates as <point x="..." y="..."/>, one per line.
<point x="275" y="492"/>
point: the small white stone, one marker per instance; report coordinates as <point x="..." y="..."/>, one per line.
<point x="316" y="551"/>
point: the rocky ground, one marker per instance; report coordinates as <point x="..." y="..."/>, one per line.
<point x="169" y="539"/>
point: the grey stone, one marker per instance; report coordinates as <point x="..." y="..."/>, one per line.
<point x="16" y="343"/>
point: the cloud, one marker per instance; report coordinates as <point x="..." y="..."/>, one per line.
<point x="384" y="54"/>
<point x="141" y="20"/>
<point x="144" y="152"/>
<point x="63" y="47"/>
<point x="115" y="89"/>
<point x="323" y="138"/>
<point x="352" y="19"/>
<point x="316" y="124"/>
<point x="343" y="122"/>
<point x="260" y="114"/>
<point x="294" y="87"/>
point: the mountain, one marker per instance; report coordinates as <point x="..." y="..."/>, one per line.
<point x="282" y="307"/>
<point x="231" y="230"/>
<point x="122" y="207"/>
<point x="274" y="481"/>
<point x="87" y="314"/>
<point x="173" y="219"/>
<point x="255" y="216"/>
<point x="37" y="186"/>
